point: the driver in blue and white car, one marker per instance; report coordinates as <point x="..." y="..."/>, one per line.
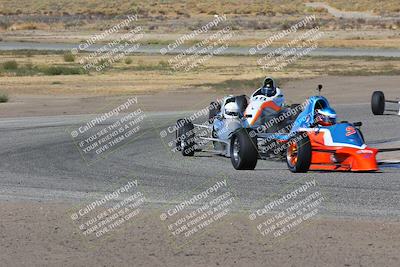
<point x="325" y="116"/>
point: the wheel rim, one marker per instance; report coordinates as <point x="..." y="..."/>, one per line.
<point x="182" y="144"/>
<point x="292" y="154"/>
<point x="236" y="150"/>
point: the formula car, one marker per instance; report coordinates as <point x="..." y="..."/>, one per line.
<point x="230" y="121"/>
<point x="225" y="128"/>
<point x="306" y="142"/>
<point x="378" y="103"/>
<point x="330" y="147"/>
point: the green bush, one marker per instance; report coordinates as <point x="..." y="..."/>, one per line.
<point x="69" y="57"/>
<point x="163" y="64"/>
<point x="60" y="70"/>
<point x="128" y="61"/>
<point x="10" y="65"/>
<point x="3" y="98"/>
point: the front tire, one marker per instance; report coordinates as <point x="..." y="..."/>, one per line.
<point x="378" y="103"/>
<point x="243" y="151"/>
<point x="298" y="154"/>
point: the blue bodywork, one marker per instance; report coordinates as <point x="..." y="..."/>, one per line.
<point x="341" y="133"/>
<point x="306" y="117"/>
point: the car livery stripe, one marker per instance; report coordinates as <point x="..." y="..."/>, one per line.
<point x="328" y="141"/>
<point x="269" y="104"/>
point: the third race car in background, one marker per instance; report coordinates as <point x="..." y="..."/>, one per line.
<point x="378" y="103"/>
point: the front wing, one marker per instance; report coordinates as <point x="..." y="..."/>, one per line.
<point x="341" y="158"/>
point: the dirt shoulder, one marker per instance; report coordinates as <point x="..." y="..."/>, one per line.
<point x="41" y="234"/>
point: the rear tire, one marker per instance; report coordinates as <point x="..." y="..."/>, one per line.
<point x="298" y="154"/>
<point x="186" y="139"/>
<point x="378" y="103"/>
<point x="178" y="125"/>
<point x="243" y="151"/>
<point x="213" y="111"/>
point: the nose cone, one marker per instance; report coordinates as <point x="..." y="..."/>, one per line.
<point x="365" y="160"/>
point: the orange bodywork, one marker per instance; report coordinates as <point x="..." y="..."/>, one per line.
<point x="340" y="158"/>
<point x="269" y="104"/>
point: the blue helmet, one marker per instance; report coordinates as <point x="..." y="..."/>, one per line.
<point x="325" y="116"/>
<point x="269" y="88"/>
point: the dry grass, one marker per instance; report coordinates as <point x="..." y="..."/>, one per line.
<point x="370" y="43"/>
<point x="378" y="7"/>
<point x="29" y="26"/>
<point x="369" y="38"/>
<point x="160" y="7"/>
<point x="340" y="41"/>
<point x="146" y="74"/>
<point x="251" y="17"/>
<point x="188" y="8"/>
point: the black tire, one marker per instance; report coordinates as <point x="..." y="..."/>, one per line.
<point x="213" y="111"/>
<point x="378" y="103"/>
<point x="214" y="135"/>
<point x="178" y="132"/>
<point x="243" y="151"/>
<point x="241" y="101"/>
<point x="186" y="139"/>
<point x="303" y="153"/>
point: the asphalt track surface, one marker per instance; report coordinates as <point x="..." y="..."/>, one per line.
<point x="155" y="49"/>
<point x="39" y="162"/>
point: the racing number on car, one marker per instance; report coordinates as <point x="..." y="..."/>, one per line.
<point x="350" y="131"/>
